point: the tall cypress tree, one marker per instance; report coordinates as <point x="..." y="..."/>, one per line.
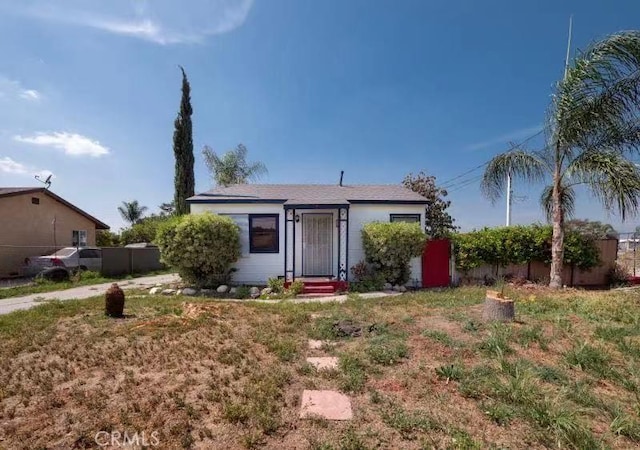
<point x="183" y="150"/>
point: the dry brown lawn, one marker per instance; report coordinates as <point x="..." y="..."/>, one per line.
<point x="425" y="373"/>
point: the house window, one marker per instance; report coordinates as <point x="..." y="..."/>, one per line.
<point x="35" y="200"/>
<point x="263" y="233"/>
<point x="79" y="238"/>
<point x="411" y="218"/>
<point x="242" y="220"/>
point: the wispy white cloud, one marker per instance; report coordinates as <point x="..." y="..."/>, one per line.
<point x="159" y="21"/>
<point x="14" y="89"/>
<point x="30" y="94"/>
<point x="72" y="144"/>
<point x="505" y="138"/>
<point x="10" y="166"/>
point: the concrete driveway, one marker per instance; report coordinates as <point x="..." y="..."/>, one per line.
<point x="8" y="305"/>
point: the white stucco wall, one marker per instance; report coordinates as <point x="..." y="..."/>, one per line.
<point x="360" y="214"/>
<point x="253" y="268"/>
<point x="257" y="268"/>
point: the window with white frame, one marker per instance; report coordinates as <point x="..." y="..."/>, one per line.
<point x="79" y="238"/>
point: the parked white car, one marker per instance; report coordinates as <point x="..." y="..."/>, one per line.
<point x="72" y="258"/>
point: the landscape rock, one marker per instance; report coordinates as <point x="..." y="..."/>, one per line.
<point x="396" y="288"/>
<point x="266" y="291"/>
<point x="179" y="292"/>
<point x="233" y="291"/>
<point x="402" y="289"/>
<point x="254" y="292"/>
<point x="222" y="289"/>
<point x="346" y="328"/>
<point x="206" y="292"/>
<point x="155" y="290"/>
<point x="189" y="292"/>
<point x="169" y="292"/>
<point x="387" y="287"/>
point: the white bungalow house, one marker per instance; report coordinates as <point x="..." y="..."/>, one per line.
<point x="307" y="230"/>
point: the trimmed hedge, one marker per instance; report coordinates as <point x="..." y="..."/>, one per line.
<point x="389" y="247"/>
<point x="502" y="246"/>
<point x="201" y="247"/>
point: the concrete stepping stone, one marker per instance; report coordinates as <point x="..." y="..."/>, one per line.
<point x="317" y="345"/>
<point x="330" y="405"/>
<point x="323" y="362"/>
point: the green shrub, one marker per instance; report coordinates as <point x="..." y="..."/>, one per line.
<point x="365" y="278"/>
<point x="389" y="248"/>
<point x="296" y="288"/>
<point x="143" y="231"/>
<point x="106" y="238"/>
<point x="202" y="247"/>
<point x="502" y="246"/>
<point x="243" y="292"/>
<point x="276" y="285"/>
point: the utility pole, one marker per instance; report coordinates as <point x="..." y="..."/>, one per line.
<point x="566" y="61"/>
<point x="509" y="198"/>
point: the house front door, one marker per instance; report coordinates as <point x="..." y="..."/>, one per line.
<point x="317" y="244"/>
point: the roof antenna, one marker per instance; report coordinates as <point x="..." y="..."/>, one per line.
<point x="341" y="176"/>
<point x="46" y="182"/>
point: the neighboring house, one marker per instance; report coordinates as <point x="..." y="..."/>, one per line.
<point x="307" y="230"/>
<point x="35" y="221"/>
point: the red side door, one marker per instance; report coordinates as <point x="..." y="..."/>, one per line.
<point x="435" y="263"/>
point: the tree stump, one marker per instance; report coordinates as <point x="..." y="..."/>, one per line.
<point x="114" y="301"/>
<point x="498" y="308"/>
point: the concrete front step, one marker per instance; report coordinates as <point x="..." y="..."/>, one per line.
<point x="319" y="289"/>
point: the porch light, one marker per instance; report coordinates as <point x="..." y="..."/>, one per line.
<point x="297" y="217"/>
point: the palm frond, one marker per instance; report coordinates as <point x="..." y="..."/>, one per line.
<point x="232" y="167"/>
<point x="567" y="201"/>
<point x="519" y="163"/>
<point x="611" y="178"/>
<point x="597" y="102"/>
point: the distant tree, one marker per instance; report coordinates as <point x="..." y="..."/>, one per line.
<point x="132" y="212"/>
<point x="143" y="231"/>
<point x="592" y="228"/>
<point x="167" y="208"/>
<point x="106" y="238"/>
<point x="592" y="128"/>
<point x="232" y="167"/>
<point x="438" y="222"/>
<point x="184" y="180"/>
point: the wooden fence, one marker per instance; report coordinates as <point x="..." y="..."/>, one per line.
<point x="539" y="272"/>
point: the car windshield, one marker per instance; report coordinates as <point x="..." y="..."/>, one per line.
<point x="64" y="252"/>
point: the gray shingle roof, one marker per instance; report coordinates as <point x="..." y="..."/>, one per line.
<point x="309" y="194"/>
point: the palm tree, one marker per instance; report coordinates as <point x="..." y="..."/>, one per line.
<point x="593" y="124"/>
<point x="232" y="167"/>
<point x="132" y="212"/>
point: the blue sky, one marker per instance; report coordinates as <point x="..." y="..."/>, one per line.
<point x="89" y="91"/>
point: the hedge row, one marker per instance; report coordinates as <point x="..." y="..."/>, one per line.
<point x="520" y="244"/>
